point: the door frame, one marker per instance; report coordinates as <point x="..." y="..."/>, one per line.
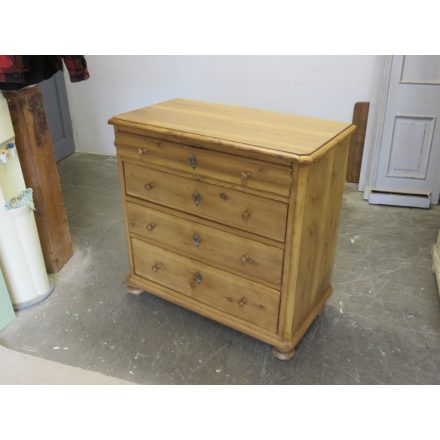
<point x="381" y="112"/>
<point x="374" y="155"/>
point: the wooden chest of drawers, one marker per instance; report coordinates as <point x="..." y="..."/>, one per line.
<point x="233" y="213"/>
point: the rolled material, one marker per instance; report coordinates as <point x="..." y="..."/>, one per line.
<point x="21" y="257"/>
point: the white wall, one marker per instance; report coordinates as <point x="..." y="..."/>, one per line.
<point x="321" y="86"/>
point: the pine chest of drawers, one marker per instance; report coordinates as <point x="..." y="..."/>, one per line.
<point x="233" y="212"/>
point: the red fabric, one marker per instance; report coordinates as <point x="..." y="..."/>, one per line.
<point x="6" y="62"/>
<point x="77" y="67"/>
<point x="20" y="70"/>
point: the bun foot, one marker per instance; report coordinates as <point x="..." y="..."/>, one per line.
<point x="283" y="355"/>
<point x="134" y="290"/>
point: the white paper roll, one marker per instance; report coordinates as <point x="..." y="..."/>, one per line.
<point x="14" y="262"/>
<point x="26" y="227"/>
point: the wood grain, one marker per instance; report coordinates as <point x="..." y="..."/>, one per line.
<point x="322" y="198"/>
<point x="231" y="207"/>
<point x="232" y="294"/>
<point x="248" y="258"/>
<point x="360" y="119"/>
<point x="37" y="159"/>
<point x="287" y="134"/>
<point x="292" y="206"/>
<point x="197" y="162"/>
<point x="204" y="221"/>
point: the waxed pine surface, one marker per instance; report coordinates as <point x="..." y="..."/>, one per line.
<point x="382" y="324"/>
<point x="290" y="134"/>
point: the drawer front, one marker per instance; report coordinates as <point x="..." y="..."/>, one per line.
<point x="240" y="255"/>
<point x="229" y="293"/>
<point x="244" y="211"/>
<point x="232" y="169"/>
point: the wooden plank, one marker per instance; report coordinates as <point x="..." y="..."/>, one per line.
<point x="40" y="173"/>
<point x="334" y="211"/>
<point x="322" y="205"/>
<point x="360" y="119"/>
<point x="243" y="211"/>
<point x="287" y="134"/>
<point x="312" y="237"/>
<point x="232" y="294"/>
<point x="292" y="249"/>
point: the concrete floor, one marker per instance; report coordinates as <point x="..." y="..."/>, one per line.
<point x="18" y="368"/>
<point x="382" y="324"/>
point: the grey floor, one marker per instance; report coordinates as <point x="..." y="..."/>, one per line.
<point x="382" y="324"/>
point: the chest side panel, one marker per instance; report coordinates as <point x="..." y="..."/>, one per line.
<point x="321" y="199"/>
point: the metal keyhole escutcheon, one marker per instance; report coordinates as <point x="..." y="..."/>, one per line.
<point x="192" y="161"/>
<point x="197" y="279"/>
<point x="197" y="198"/>
<point x="197" y="239"/>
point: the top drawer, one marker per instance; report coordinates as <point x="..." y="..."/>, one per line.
<point x="244" y="172"/>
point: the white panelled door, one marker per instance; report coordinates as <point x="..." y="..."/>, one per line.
<point x="406" y="169"/>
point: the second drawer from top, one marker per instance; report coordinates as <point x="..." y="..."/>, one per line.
<point x="248" y="212"/>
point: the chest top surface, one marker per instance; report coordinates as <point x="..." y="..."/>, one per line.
<point x="247" y="128"/>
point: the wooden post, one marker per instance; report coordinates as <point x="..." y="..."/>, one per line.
<point x="360" y="118"/>
<point x="37" y="159"/>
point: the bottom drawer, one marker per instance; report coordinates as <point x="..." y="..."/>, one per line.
<point x="229" y="293"/>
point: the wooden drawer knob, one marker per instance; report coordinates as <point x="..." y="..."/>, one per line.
<point x="246" y="214"/>
<point x="142" y="151"/>
<point x="151" y="226"/>
<point x="156" y="267"/>
<point x="149" y="185"/>
<point x="245" y="176"/>
<point x="242" y="302"/>
<point x="246" y="259"/>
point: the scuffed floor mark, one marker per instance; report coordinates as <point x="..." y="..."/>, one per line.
<point x="78" y="266"/>
<point x="353" y="239"/>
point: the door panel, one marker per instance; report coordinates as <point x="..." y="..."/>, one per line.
<point x="410" y="146"/>
<point x="409" y="151"/>
<point x="58" y="115"/>
<point x="420" y="69"/>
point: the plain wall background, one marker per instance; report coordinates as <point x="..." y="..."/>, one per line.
<point x="321" y="86"/>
